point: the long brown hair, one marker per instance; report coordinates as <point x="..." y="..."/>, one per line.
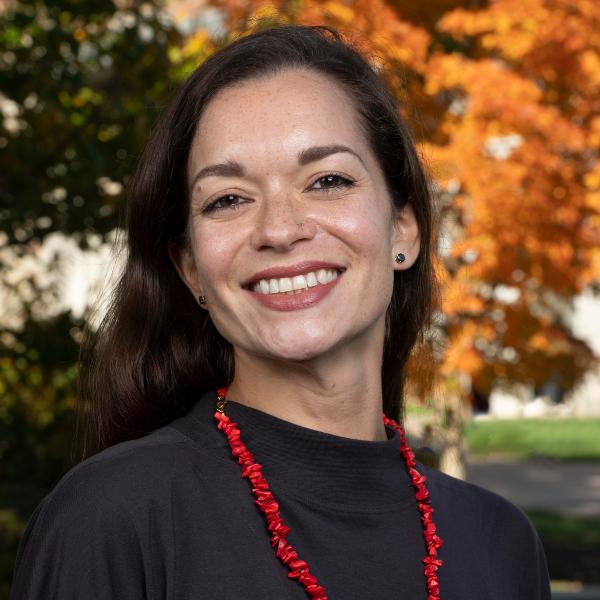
<point x="155" y="351"/>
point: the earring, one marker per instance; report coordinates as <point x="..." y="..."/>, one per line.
<point x="400" y="257"/>
<point x="202" y="300"/>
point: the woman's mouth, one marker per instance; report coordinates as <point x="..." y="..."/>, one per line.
<point x="296" y="284"/>
<point x="294" y="287"/>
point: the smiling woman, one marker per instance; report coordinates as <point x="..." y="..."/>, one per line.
<point x="279" y="273"/>
<point x="261" y="162"/>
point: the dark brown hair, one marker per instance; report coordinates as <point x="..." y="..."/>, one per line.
<point x="156" y="351"/>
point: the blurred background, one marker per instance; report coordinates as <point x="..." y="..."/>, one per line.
<point x="503" y="99"/>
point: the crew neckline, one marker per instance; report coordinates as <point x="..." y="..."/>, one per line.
<point x="313" y="466"/>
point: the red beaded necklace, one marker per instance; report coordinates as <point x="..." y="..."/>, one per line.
<point x="279" y="530"/>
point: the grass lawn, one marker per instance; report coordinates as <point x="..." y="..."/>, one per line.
<point x="560" y="529"/>
<point x="571" y="545"/>
<point x="565" y="439"/>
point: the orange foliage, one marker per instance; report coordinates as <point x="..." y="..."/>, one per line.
<point x="507" y="103"/>
<point x="522" y="145"/>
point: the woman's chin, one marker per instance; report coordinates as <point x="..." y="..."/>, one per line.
<point x="300" y="349"/>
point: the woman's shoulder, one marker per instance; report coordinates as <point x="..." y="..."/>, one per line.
<point x="121" y="475"/>
<point x="86" y="534"/>
<point x="465" y="505"/>
<point x="466" y="497"/>
<point x="483" y="527"/>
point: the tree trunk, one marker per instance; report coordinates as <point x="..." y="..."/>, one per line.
<point x="453" y="453"/>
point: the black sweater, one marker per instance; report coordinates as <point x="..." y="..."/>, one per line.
<point x="168" y="516"/>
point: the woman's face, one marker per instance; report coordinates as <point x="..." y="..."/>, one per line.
<point x="285" y="194"/>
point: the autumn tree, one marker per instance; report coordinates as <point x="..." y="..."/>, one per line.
<point x="503" y="101"/>
<point x="520" y="172"/>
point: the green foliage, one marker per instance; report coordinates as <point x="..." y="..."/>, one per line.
<point x="82" y="84"/>
<point x="36" y="428"/>
<point x="565" y="439"/>
<point x="560" y="529"/>
<point x="571" y="546"/>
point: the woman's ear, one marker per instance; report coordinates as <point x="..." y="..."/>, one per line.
<point x="406" y="237"/>
<point x="184" y="264"/>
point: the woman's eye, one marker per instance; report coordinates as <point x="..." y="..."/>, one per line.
<point x="332" y="181"/>
<point x="222" y="203"/>
<point x="232" y="201"/>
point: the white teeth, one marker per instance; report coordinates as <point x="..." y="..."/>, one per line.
<point x="285" y="284"/>
<point x="322" y="276"/>
<point x="311" y="279"/>
<point x="299" y="282"/>
<point x="296" y="284"/>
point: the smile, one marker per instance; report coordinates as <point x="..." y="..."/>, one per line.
<point x="296" y="284"/>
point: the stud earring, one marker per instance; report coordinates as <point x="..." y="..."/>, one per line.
<point x="400" y="257"/>
<point x="202" y="300"/>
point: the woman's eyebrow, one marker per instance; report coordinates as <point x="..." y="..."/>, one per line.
<point x="232" y="168"/>
<point x="315" y="153"/>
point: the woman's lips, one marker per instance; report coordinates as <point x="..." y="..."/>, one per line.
<point x="291" y="270"/>
<point x="297" y="300"/>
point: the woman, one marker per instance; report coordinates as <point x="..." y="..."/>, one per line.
<point x="279" y="243"/>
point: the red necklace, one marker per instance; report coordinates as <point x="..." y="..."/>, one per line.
<point x="279" y="530"/>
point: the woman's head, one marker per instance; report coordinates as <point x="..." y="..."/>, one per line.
<point x="282" y="183"/>
<point x="261" y="102"/>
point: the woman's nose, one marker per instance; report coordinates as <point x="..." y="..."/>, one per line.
<point x="281" y="223"/>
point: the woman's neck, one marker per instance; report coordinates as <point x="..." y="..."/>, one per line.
<point x="338" y="394"/>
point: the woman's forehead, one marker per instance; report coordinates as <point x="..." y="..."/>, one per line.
<point x="276" y="116"/>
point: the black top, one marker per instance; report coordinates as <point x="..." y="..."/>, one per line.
<point x="168" y="516"/>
